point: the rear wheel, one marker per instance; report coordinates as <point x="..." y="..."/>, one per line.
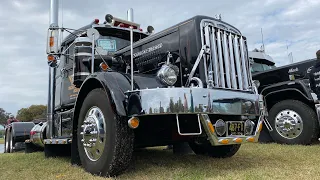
<point x="205" y="148"/>
<point x="293" y="122"/>
<point x="105" y="141"/>
<point x="6" y="144"/>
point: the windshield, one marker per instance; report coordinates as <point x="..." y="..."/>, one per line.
<point x="114" y="39"/>
<point x="112" y="44"/>
<point x="258" y="67"/>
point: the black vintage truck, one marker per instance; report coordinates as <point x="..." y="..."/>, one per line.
<point x="292" y="106"/>
<point x="114" y="88"/>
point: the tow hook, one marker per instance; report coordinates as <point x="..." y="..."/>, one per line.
<point x="267" y="124"/>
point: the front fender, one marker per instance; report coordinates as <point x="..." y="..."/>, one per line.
<point x="296" y="85"/>
<point x="114" y="83"/>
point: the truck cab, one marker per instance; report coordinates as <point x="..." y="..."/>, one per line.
<point x="292" y="109"/>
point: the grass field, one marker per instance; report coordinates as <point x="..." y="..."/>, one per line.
<point x="1" y="141"/>
<point x="253" y="161"/>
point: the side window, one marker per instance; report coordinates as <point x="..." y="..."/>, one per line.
<point x="69" y="54"/>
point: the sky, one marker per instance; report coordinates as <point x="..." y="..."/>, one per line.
<point x="23" y="66"/>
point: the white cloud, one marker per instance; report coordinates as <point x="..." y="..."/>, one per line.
<point x="24" y="71"/>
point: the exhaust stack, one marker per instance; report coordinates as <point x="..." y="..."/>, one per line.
<point x="53" y="24"/>
<point x="130" y="15"/>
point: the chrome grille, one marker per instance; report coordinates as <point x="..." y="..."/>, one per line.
<point x="228" y="64"/>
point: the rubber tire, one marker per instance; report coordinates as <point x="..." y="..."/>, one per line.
<point x="119" y="146"/>
<point x="11" y="145"/>
<point x="310" y="122"/>
<point x="6" y="142"/>
<point x="207" y="149"/>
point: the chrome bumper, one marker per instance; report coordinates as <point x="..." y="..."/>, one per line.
<point x="193" y="100"/>
<point x="203" y="102"/>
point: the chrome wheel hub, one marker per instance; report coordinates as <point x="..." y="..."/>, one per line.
<point x="288" y="124"/>
<point x="93" y="136"/>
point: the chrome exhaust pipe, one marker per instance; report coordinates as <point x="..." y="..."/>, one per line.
<point x="53" y="17"/>
<point x="130" y="15"/>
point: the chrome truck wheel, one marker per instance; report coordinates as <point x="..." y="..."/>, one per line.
<point x="105" y="141"/>
<point x="293" y="122"/>
<point x="93" y="133"/>
<point x="289" y="124"/>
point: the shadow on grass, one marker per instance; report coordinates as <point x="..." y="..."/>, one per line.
<point x="155" y="160"/>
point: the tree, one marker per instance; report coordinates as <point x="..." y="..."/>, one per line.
<point x="32" y="112"/>
<point x="3" y="116"/>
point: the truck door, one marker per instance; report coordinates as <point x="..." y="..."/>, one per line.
<point x="69" y="92"/>
<point x="58" y="80"/>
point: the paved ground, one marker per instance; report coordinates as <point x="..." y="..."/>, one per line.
<point x="1" y="148"/>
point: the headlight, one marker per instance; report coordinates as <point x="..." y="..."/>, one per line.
<point x="168" y="74"/>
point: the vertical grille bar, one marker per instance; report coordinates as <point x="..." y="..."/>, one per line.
<point x="226" y="59"/>
<point x="220" y="59"/>
<point x="207" y="32"/>
<point x="215" y="58"/>
<point x="243" y="62"/>
<point x="233" y="70"/>
<point x="237" y="59"/>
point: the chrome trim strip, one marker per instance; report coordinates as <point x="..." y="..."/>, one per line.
<point x="244" y="64"/>
<point x="215" y="59"/>
<point x="81" y="74"/>
<point x="236" y="53"/>
<point x="220" y="59"/>
<point x="233" y="70"/>
<point x="226" y="59"/>
<point x="83" y="54"/>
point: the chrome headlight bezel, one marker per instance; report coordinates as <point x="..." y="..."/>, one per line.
<point x="168" y="74"/>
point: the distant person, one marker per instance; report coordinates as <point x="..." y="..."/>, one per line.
<point x="314" y="76"/>
<point x="11" y="119"/>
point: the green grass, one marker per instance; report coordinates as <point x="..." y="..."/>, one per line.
<point x="1" y="141"/>
<point x="253" y="161"/>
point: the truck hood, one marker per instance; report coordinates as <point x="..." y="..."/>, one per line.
<point x="300" y="70"/>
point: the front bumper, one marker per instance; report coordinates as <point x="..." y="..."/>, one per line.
<point x="192" y="100"/>
<point x="203" y="102"/>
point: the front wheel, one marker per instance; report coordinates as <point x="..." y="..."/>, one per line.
<point x="105" y="141"/>
<point x="293" y="122"/>
<point x="206" y="148"/>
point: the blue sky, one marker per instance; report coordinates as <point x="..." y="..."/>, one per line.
<point x="24" y="71"/>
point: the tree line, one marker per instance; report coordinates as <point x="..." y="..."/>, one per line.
<point x="25" y="114"/>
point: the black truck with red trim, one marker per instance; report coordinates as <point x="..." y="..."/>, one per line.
<point x="293" y="116"/>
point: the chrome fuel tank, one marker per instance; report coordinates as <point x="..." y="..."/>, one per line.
<point x="37" y="134"/>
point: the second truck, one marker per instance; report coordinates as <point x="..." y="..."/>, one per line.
<point x="293" y="108"/>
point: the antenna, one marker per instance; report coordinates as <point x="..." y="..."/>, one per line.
<point x="262" y="47"/>
<point x="289" y="54"/>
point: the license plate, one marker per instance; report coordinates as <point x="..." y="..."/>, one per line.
<point x="235" y="128"/>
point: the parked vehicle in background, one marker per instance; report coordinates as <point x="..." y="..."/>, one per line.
<point x="293" y="110"/>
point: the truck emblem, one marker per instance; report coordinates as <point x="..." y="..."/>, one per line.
<point x="293" y="70"/>
<point x="150" y="49"/>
